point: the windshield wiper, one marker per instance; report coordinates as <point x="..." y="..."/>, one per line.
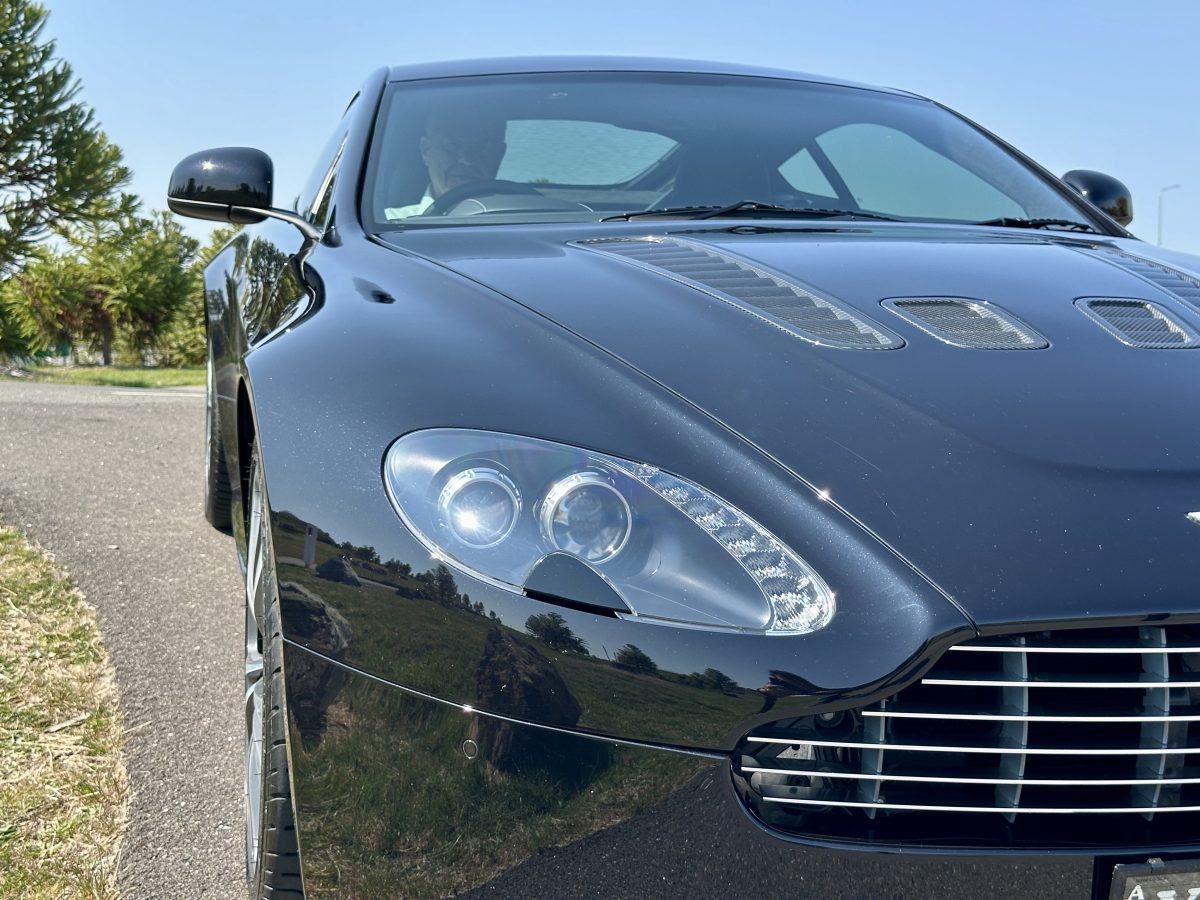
<point x="1011" y="222"/>
<point x="748" y="208"/>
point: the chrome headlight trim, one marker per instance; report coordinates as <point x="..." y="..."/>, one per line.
<point x="663" y="566"/>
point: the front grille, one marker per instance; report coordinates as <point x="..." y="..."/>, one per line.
<point x="769" y="297"/>
<point x="1139" y="323"/>
<point x="1048" y="740"/>
<point x="967" y="323"/>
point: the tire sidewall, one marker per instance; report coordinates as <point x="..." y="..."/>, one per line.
<point x="275" y="873"/>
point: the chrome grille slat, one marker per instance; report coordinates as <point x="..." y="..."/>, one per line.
<point x="1014" y="732"/>
<point x="1107" y="685"/>
<point x="938" y="748"/>
<point x="917" y="807"/>
<point x="1101" y="723"/>
<point x="1153" y="733"/>
<point x="950" y="779"/>
<point x="1100" y="651"/>
<point x="872" y="764"/>
<point x="993" y="717"/>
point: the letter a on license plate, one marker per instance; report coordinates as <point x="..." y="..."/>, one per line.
<point x="1157" y="880"/>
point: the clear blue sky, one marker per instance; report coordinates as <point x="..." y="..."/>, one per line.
<point x="1100" y="85"/>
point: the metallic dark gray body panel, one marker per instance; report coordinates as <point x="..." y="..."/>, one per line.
<point x="907" y="441"/>
<point x="325" y="443"/>
<point x="981" y="468"/>
<point x="556" y="815"/>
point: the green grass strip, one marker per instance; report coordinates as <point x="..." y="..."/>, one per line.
<point x="63" y="784"/>
<point x="120" y="376"/>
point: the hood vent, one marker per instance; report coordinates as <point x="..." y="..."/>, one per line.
<point x="1182" y="285"/>
<point x="967" y="323"/>
<point x="1139" y="323"/>
<point x="762" y="294"/>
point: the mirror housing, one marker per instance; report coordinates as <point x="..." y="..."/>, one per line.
<point x="230" y="184"/>
<point x="1104" y="192"/>
<point x="224" y="185"/>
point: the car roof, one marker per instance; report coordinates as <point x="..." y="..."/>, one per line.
<point x="529" y="64"/>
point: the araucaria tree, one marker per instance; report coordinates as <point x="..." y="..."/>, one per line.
<point x="56" y="165"/>
<point x="122" y="281"/>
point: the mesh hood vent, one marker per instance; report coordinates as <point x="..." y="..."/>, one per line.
<point x="1139" y="323"/>
<point x="967" y="323"/>
<point x="1183" y="286"/>
<point x="766" y="296"/>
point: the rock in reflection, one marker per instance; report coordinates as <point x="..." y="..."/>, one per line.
<point x="338" y="569"/>
<point x="313" y="687"/>
<point x="390" y="805"/>
<point x="514" y="679"/>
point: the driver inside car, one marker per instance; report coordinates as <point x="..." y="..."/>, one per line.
<point x="456" y="150"/>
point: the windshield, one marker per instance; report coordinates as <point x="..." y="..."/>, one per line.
<point x="587" y="146"/>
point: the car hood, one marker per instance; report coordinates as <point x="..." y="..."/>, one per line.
<point x="1031" y="485"/>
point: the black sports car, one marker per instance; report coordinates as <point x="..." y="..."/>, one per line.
<point x="658" y="478"/>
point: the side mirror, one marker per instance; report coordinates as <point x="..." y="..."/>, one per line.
<point x="1104" y="192"/>
<point x="223" y="185"/>
<point x="229" y="184"/>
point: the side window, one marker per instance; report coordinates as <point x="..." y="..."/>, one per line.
<point x="325" y="192"/>
<point x="319" y="181"/>
<point x="889" y="172"/>
<point x="316" y="187"/>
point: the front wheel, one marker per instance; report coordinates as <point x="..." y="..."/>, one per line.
<point x="272" y="851"/>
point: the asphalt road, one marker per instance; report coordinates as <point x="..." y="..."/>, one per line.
<point x="109" y="480"/>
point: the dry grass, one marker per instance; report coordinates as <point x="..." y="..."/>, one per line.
<point x="63" y="783"/>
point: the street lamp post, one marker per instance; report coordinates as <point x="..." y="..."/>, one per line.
<point x="1161" y="191"/>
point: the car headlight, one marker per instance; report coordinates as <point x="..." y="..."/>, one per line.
<point x="496" y="505"/>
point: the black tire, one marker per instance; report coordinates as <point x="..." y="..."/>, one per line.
<point x="218" y="493"/>
<point x="272" y="849"/>
<point x="277" y="874"/>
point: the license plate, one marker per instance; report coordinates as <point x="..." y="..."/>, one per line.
<point x="1175" y="880"/>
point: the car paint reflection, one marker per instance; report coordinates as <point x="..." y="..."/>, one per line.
<point x="394" y="800"/>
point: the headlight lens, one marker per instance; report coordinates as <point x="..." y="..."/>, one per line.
<point x="586" y="515"/>
<point x="480" y="506"/>
<point x="496" y="504"/>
